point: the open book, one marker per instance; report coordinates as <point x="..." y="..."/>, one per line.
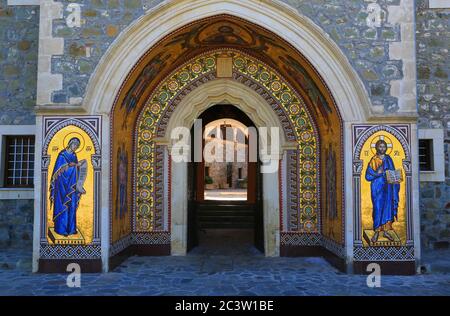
<point x="394" y="176"/>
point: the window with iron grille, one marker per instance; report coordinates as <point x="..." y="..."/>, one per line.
<point x="426" y="154"/>
<point x="19" y="161"/>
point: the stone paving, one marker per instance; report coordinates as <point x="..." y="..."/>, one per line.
<point x="202" y="274"/>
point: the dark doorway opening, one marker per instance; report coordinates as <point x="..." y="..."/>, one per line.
<point x="221" y="226"/>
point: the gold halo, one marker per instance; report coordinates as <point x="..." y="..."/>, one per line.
<point x="72" y="135"/>
<point x="386" y="139"/>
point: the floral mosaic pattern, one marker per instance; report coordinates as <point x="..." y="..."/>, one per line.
<point x="305" y="181"/>
<point x="303" y="193"/>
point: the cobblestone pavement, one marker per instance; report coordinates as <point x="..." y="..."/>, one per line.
<point x="201" y="274"/>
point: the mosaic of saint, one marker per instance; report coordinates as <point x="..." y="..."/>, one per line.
<point x="70" y="195"/>
<point x="66" y="188"/>
<point x="384" y="188"/>
<point x="121" y="201"/>
<point x="383" y="191"/>
<point x="122" y="183"/>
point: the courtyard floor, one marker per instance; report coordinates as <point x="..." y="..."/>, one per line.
<point x="224" y="272"/>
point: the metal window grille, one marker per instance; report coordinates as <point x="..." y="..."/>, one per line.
<point x="426" y="155"/>
<point x="19" y="161"/>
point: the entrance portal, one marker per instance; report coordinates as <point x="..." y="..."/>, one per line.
<point x="282" y="71"/>
<point x="225" y="209"/>
<point x="181" y="79"/>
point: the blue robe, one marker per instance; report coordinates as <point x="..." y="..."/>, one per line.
<point x="385" y="196"/>
<point x="122" y="200"/>
<point x="63" y="193"/>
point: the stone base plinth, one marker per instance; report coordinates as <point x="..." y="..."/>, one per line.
<point x="57" y="239"/>
<point x="382" y="241"/>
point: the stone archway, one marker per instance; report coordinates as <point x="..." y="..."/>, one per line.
<point x="323" y="59"/>
<point x="226" y="47"/>
<point x="277" y="103"/>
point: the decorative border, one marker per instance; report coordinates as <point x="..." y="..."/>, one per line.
<point x="92" y="126"/>
<point x="159" y="238"/>
<point x="404" y="253"/>
<point x="60" y="252"/>
<point x="159" y="197"/>
<point x="361" y="133"/>
<point x="292" y="190"/>
<point x="281" y="170"/>
<point x="313" y="239"/>
<point x="120" y="245"/>
<point x="305" y="239"/>
<point x="287" y="239"/>
<point x="334" y="247"/>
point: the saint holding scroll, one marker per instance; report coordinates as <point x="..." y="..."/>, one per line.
<point x="66" y="188"/>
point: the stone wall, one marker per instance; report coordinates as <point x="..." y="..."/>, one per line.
<point x="366" y="45"/>
<point x="218" y="173"/>
<point x="218" y="170"/>
<point x="19" y="37"/>
<point x="102" y="21"/>
<point x="368" y="32"/>
<point x="433" y="88"/>
<point x="16" y="223"/>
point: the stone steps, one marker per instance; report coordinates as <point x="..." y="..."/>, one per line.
<point x="225" y="215"/>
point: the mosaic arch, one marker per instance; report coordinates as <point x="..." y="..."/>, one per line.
<point x="301" y="100"/>
<point x="303" y="210"/>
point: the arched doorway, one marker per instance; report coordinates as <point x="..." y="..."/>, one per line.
<point x="199" y="62"/>
<point x="298" y="123"/>
<point x="224" y="218"/>
<point x="225" y="91"/>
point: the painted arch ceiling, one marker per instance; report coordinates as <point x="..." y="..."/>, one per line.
<point x="224" y="32"/>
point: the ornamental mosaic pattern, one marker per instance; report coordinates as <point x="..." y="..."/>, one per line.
<point x="296" y="121"/>
<point x="311" y="239"/>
